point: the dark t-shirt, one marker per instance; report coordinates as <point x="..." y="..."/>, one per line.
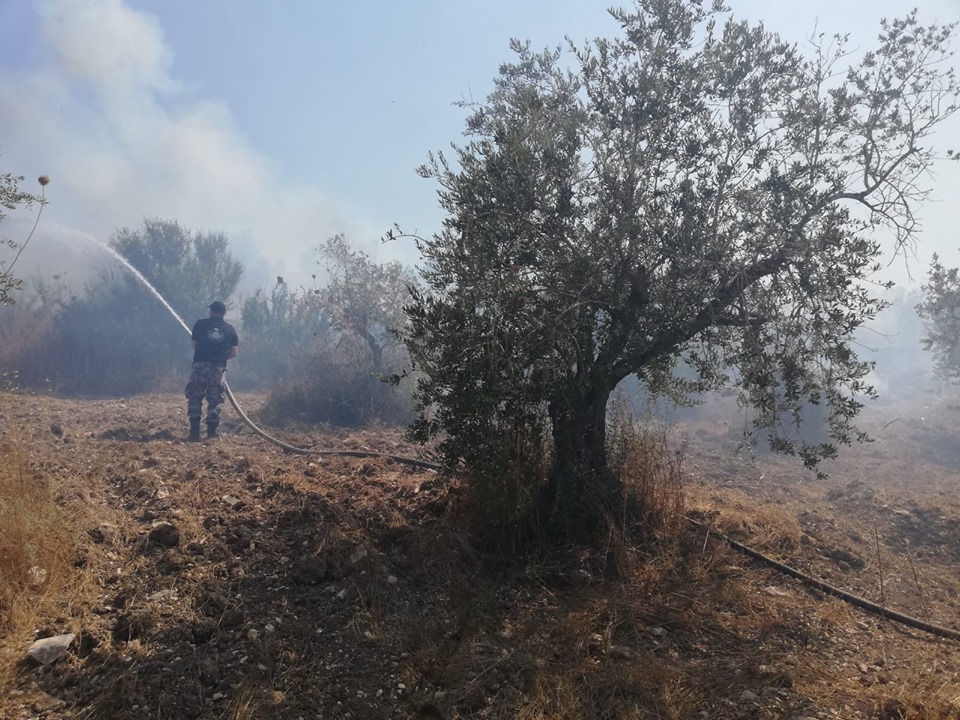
<point x="214" y="338"/>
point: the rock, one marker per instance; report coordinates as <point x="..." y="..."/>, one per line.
<point x="57" y="429"/>
<point x="130" y="626"/>
<point x="359" y="553"/>
<point x="392" y="580"/>
<point x="164" y="533"/>
<point x="209" y="671"/>
<point x="620" y="652"/>
<point x="657" y="631"/>
<point x="234" y="503"/>
<point x="102" y="532"/>
<point x="774" y="591"/>
<point x="783" y="680"/>
<point x="747" y="696"/>
<point x="240" y="538"/>
<point x="38" y="576"/>
<point x="232" y="619"/>
<point x="202" y="632"/>
<point x="47" y="703"/>
<point x="47" y="650"/>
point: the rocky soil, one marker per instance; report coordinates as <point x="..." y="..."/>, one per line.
<point x="229" y="579"/>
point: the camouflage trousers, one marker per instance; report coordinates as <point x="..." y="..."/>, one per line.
<point x="206" y="381"/>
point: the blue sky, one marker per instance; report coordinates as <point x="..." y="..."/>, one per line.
<point x="285" y="122"/>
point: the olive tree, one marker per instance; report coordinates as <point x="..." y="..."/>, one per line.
<point x="696" y="190"/>
<point x="366" y="298"/>
<point x="940" y="310"/>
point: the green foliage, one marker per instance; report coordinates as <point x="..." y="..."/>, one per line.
<point x="940" y="310"/>
<point x="693" y="191"/>
<point x="190" y="269"/>
<point x="116" y="338"/>
<point x="11" y="198"/>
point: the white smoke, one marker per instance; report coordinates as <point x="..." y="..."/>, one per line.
<point x="122" y="139"/>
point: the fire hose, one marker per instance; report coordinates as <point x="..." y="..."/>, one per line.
<point x="807" y="580"/>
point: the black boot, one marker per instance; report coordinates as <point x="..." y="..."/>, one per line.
<point x="194" y="435"/>
<point x="212" y="430"/>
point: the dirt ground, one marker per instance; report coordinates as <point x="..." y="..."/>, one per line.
<point x="232" y="580"/>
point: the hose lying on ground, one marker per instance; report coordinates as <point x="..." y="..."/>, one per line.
<point x="823" y="587"/>
<point x="830" y="589"/>
<point x="306" y="451"/>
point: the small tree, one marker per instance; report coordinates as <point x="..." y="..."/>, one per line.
<point x="190" y="269"/>
<point x="12" y="197"/>
<point x="940" y="310"/>
<point x="696" y="190"/>
<point x="331" y="345"/>
<point x="366" y="298"/>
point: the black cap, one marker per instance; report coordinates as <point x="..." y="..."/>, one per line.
<point x="218" y="307"/>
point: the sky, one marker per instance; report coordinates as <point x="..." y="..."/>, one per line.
<point x="283" y="123"/>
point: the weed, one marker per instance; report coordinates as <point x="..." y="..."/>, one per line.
<point x="650" y="469"/>
<point x="37" y="547"/>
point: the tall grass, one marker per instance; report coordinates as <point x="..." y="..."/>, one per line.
<point x="37" y="546"/>
<point x="649" y="465"/>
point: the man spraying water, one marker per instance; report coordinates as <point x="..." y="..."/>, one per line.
<point x="214" y="342"/>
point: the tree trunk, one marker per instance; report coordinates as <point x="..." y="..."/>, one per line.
<point x="581" y="489"/>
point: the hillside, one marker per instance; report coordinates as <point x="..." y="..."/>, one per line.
<point x="231" y="580"/>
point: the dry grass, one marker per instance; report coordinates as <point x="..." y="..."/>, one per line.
<point x="650" y="466"/>
<point x="768" y="527"/>
<point x="676" y="625"/>
<point x="38" y="541"/>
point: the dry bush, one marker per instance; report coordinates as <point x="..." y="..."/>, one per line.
<point x="36" y="540"/>
<point x="336" y="387"/>
<point x="37" y="547"/>
<point x="25" y="332"/>
<point x="650" y="468"/>
<point x="498" y="503"/>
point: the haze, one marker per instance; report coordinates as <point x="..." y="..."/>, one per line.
<point x="285" y="124"/>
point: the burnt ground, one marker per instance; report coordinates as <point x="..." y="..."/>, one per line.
<point x="231" y="580"/>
